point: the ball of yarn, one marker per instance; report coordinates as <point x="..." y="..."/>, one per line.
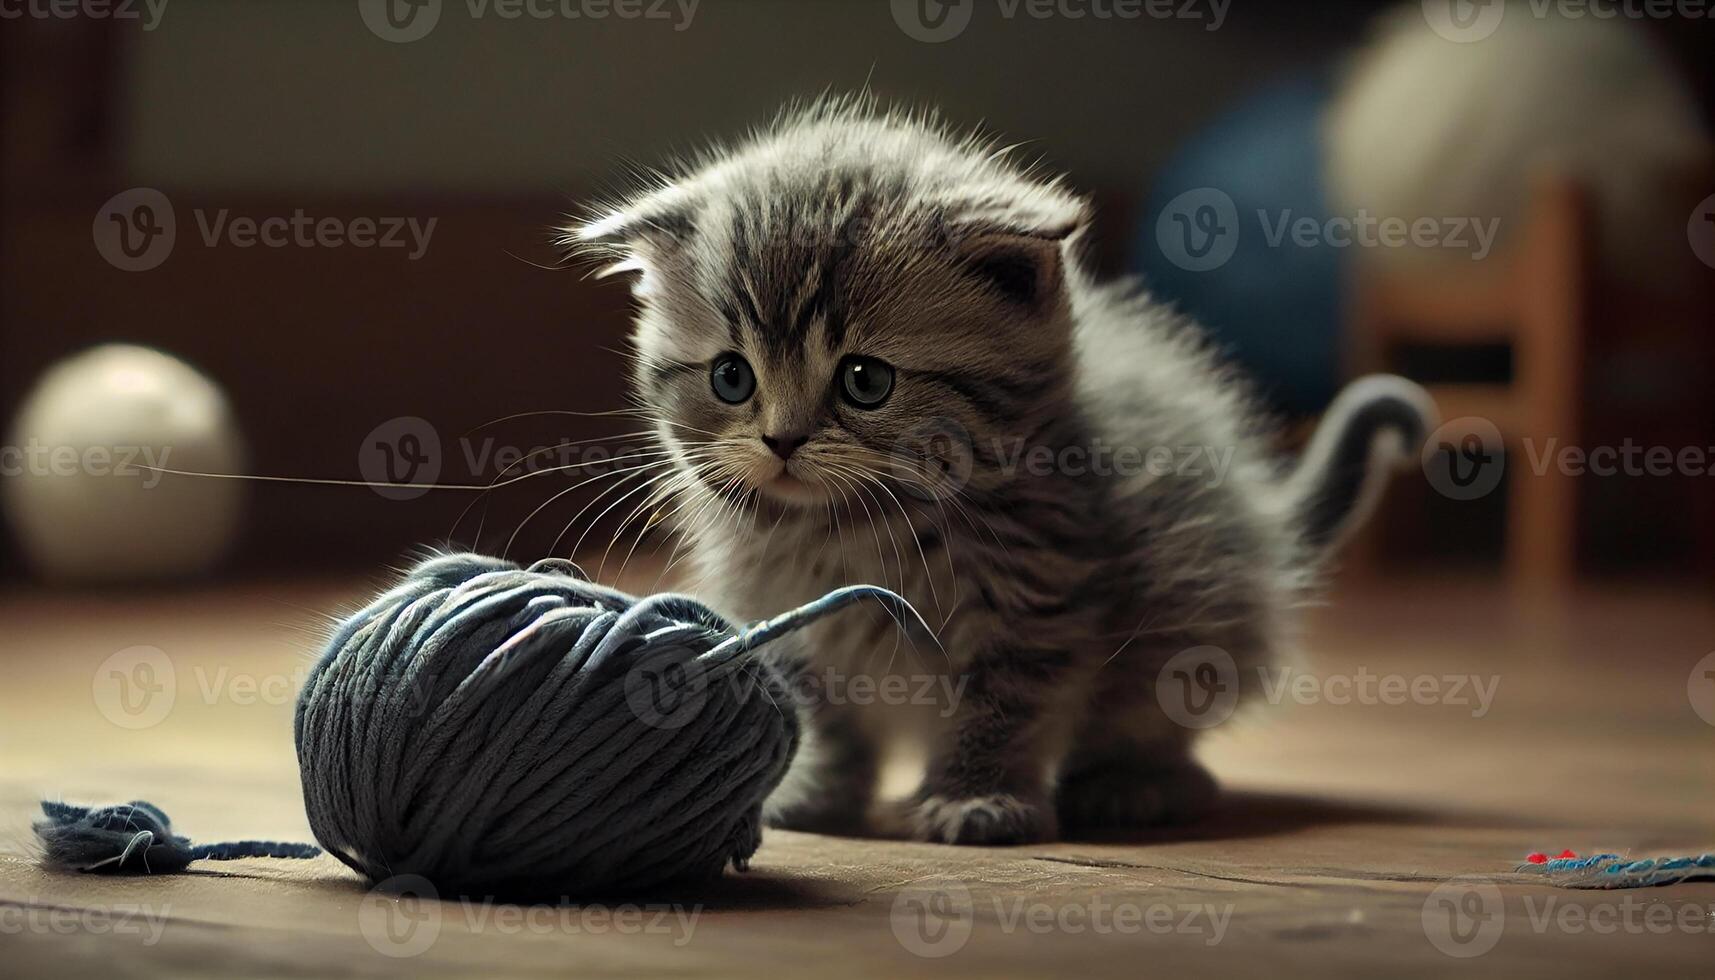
<point x="499" y="730"/>
<point x="515" y="732"/>
<point x="78" y="489"/>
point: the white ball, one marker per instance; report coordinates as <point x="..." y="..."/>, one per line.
<point x="78" y="488"/>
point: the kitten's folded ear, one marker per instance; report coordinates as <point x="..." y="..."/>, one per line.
<point x="638" y="235"/>
<point x="1018" y="249"/>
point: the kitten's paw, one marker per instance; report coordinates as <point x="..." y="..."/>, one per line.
<point x="1118" y="796"/>
<point x="993" y="819"/>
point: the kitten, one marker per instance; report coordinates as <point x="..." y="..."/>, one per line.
<point x="874" y="355"/>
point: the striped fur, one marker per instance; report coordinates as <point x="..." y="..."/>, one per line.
<point x="1057" y="592"/>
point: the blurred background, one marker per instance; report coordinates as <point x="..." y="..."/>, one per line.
<point x="336" y="219"/>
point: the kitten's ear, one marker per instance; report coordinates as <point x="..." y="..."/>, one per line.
<point x="1020" y="255"/>
<point x="1023" y="269"/>
<point x="638" y="236"/>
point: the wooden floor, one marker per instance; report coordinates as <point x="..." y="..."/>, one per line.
<point x="1357" y="839"/>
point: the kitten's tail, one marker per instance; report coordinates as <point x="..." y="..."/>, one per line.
<point x="1378" y="423"/>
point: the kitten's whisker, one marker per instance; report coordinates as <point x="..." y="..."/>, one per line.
<point x="653" y="502"/>
<point x="657" y="500"/>
<point x="928" y="576"/>
<point x="934" y="492"/>
<point x="629" y="473"/>
<point x="611" y="413"/>
<point x="565" y="530"/>
<point x="483" y="498"/>
<point x="578" y="547"/>
<point x="694" y="524"/>
<point x="720" y="501"/>
<point x="898" y="559"/>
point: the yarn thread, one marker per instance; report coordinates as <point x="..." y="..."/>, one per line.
<point x="1614" y="871"/>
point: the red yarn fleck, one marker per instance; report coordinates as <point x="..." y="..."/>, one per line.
<point x="1537" y="858"/>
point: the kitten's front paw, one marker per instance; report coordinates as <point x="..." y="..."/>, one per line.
<point x="994" y="819"/>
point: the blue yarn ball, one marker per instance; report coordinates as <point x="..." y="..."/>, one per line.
<point x="500" y="730"/>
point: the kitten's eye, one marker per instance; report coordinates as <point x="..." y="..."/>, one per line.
<point x="732" y="379"/>
<point x="865" y="381"/>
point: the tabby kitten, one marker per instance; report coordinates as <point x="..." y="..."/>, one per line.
<point x="872" y="354"/>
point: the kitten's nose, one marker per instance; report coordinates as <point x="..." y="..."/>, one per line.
<point x="784" y="446"/>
